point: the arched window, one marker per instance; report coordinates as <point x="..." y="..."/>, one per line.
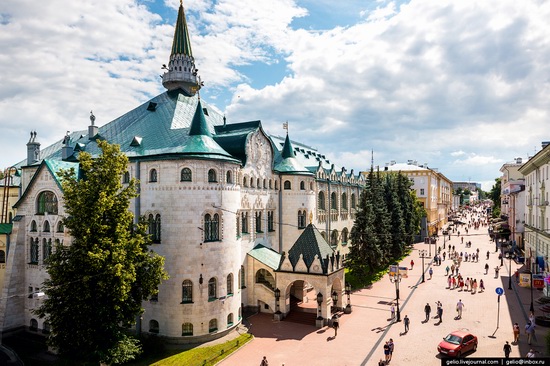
<point x="287" y="185"/>
<point x="345" y="235"/>
<point x="322" y="205"/>
<point x="259" y="222"/>
<point x="2" y="256"/>
<point x="153" y="176"/>
<point x="229" y="320"/>
<point x="47" y="203"/>
<point x="126" y="178"/>
<point x="212" y="325"/>
<point x="34" y="251"/>
<point x="33" y="226"/>
<point x="60" y="227"/>
<point x="156" y="238"/>
<point x="212" y="176"/>
<point x="251" y="182"/>
<point x="46" y="249"/>
<point x="187" y="292"/>
<point x="311" y="186"/>
<point x="265" y="277"/>
<point x="212" y="289"/>
<point x="244" y="222"/>
<point x="258" y="183"/>
<point x="270" y="221"/>
<point x="34" y="325"/>
<point x="153" y="326"/>
<point x="276" y="185"/>
<point x="230" y="284"/>
<point x="245" y="182"/>
<point x="301" y="219"/>
<point x="353" y="200"/>
<point x="46" y="227"/>
<point x="187" y="329"/>
<point x="211" y="227"/>
<point x="302" y="186"/>
<point x="265" y="184"/>
<point x="334" y="238"/>
<point x="333" y="201"/>
<point x="242" y="278"/>
<point x="186" y="175"/>
<point x="270" y="184"/>
<point x="228" y="177"/>
<point x="344" y="201"/>
<point x="46" y="328"/>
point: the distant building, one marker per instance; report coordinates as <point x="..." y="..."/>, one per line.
<point x="536" y="172"/>
<point x="512" y="199"/>
<point x="433" y="190"/>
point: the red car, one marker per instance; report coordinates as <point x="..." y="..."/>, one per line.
<point x="457" y="343"/>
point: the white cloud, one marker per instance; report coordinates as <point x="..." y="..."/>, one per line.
<point x="462" y="85"/>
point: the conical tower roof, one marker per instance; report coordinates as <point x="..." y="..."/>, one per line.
<point x="289" y="164"/>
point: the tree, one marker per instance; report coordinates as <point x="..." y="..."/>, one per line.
<point x="97" y="283"/>
<point x="494" y="195"/>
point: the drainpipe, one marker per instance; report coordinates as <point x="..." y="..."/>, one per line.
<point x="137" y="214"/>
<point x="329" y="210"/>
<point x="280" y="214"/>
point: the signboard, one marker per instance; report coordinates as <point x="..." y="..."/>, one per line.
<point x="395" y="270"/>
<point x="538" y="281"/>
<point x="524" y="279"/>
<point x="499" y="291"/>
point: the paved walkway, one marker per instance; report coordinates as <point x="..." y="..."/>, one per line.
<point x="363" y="333"/>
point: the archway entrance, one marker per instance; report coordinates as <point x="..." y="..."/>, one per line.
<point x="301" y="303"/>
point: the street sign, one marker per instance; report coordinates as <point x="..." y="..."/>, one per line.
<point x="538" y="283"/>
<point x="499" y="291"/>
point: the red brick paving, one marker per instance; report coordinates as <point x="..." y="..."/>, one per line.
<point x="362" y="333"/>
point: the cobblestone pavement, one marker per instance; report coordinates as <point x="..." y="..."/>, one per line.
<point x="363" y="333"/>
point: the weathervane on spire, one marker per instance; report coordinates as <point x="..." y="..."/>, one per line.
<point x="285" y="126"/>
<point x="92" y="117"/>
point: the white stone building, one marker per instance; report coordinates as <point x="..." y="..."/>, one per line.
<point x="239" y="215"/>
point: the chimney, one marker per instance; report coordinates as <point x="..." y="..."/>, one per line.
<point x="66" y="150"/>
<point x="92" y="129"/>
<point x="33" y="149"/>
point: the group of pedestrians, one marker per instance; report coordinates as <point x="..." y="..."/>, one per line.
<point x="466" y="285"/>
<point x="388" y="352"/>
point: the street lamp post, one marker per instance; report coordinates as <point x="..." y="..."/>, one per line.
<point x="334" y="296"/>
<point x="396" y="279"/>
<point x="510" y="257"/>
<point x="423" y="255"/>
<point x="277" y="294"/>
<point x="319" y="322"/>
<point x="347" y="310"/>
<point x="531" y="308"/>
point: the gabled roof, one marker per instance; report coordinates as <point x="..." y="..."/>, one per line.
<point x="266" y="255"/>
<point x="53" y="166"/>
<point x="309" y="244"/>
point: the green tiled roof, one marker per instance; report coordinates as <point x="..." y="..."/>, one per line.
<point x="309" y="244"/>
<point x="266" y="255"/>
<point x="5" y="228"/>
<point x="288" y="163"/>
<point x="181" y="43"/>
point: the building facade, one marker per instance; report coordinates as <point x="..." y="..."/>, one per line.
<point x="244" y="219"/>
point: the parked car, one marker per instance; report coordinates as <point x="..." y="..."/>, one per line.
<point x="457" y="343"/>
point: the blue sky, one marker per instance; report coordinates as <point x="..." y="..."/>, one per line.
<point x="460" y="85"/>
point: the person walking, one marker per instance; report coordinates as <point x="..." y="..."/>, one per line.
<point x="459" y="307"/>
<point x="431" y="272"/>
<point x="264" y="362"/>
<point x="474" y="286"/>
<point x="496" y="271"/>
<point x="530" y="331"/>
<point x="440" y="312"/>
<point x="481" y="286"/>
<point x="391" y="344"/>
<point x="530" y="354"/>
<point x="335" y="325"/>
<point x="427" y="310"/>
<point x="453" y="280"/>
<point x="392" y="311"/>
<point x="406" y="321"/>
<point x="516" y="332"/>
<point x="486" y="268"/>
<point x="507" y="350"/>
<point x="412" y="264"/>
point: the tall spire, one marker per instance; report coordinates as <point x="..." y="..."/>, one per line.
<point x="181" y="72"/>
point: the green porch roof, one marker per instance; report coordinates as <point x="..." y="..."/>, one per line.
<point x="5" y="228"/>
<point x="266" y="255"/>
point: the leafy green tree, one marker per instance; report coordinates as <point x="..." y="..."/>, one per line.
<point x="408" y="200"/>
<point x="97" y="283"/>
<point x="396" y="213"/>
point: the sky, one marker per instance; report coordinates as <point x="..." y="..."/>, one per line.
<point x="462" y="86"/>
